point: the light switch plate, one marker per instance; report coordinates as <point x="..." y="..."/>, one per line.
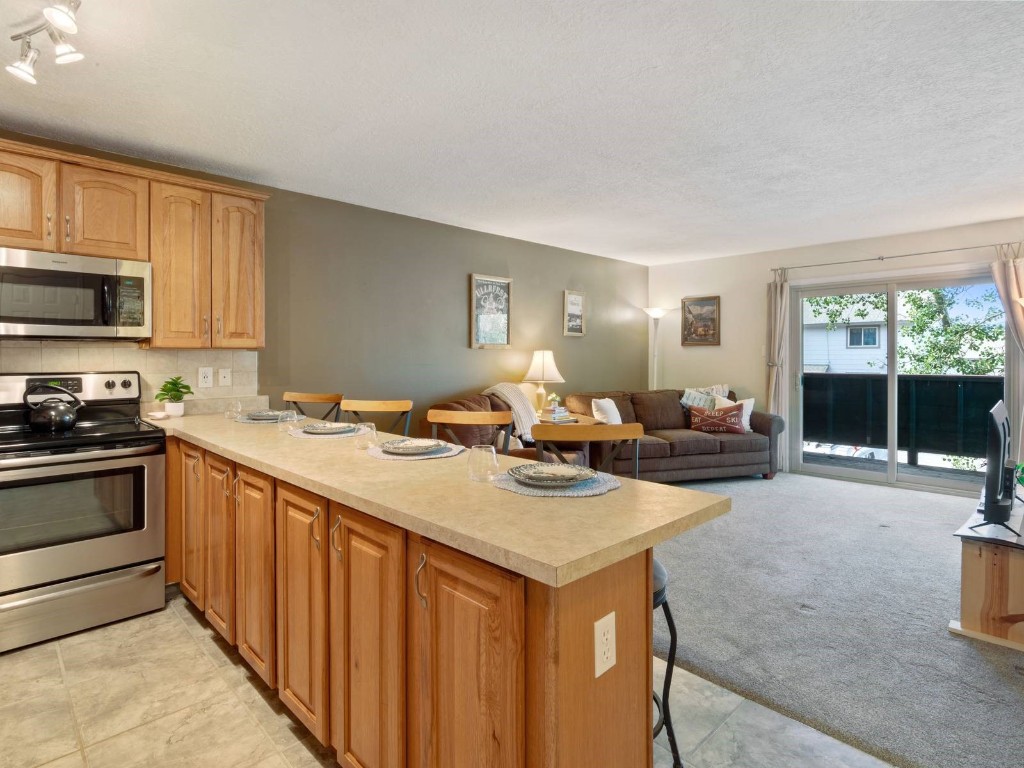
<point x="205" y="378"/>
<point x="604" y="644"/>
<point x="224" y="377"/>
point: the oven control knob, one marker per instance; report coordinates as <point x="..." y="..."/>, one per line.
<point x="126" y="383"/>
<point x="110" y="384"/>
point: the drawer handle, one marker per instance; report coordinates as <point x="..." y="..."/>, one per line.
<point x="416" y="579"/>
<point x="49" y="226"/>
<point x="312" y="528"/>
<point x="334" y="531"/>
<point x="67" y="228"/>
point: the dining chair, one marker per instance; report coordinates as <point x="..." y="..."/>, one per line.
<point x="621" y="436"/>
<point x="437" y="417"/>
<point x="297" y="399"/>
<point x="402" y="407"/>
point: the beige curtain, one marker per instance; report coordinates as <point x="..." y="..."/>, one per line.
<point x="778" y="334"/>
<point x="1008" y="274"/>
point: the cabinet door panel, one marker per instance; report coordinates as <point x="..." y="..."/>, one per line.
<point x="104" y="213"/>
<point x="466" y="666"/>
<point x="193" y="526"/>
<point x="254" y="569"/>
<point x="302" y="606"/>
<point x="237" y="272"/>
<point x="367" y="640"/>
<point x="220" y="545"/>
<point x="28" y="202"/>
<point x="180" y="254"/>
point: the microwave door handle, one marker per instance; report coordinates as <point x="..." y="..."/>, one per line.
<point x="107" y="303"/>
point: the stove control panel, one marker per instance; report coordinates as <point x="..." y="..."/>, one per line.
<point x="90" y="387"/>
<point x="70" y="383"/>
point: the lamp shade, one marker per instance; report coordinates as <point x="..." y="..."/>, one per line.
<point x="543" y="368"/>
<point x="656" y="312"/>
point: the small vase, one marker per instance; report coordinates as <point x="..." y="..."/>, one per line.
<point x="174" y="409"/>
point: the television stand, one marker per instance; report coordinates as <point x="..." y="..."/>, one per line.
<point x="983" y="524"/>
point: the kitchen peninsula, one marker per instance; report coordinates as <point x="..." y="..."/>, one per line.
<point x="408" y="615"/>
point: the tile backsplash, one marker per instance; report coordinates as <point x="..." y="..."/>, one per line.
<point x="154" y="365"/>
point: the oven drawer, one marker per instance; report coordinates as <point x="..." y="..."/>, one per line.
<point x="59" y="609"/>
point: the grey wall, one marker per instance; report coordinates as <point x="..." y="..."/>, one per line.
<point x="375" y="305"/>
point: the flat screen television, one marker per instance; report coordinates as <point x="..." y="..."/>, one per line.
<point x="997" y="498"/>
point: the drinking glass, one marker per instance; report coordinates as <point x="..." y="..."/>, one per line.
<point x="286" y="419"/>
<point x="366" y="437"/>
<point x="483" y="463"/>
<point x="234" y="409"/>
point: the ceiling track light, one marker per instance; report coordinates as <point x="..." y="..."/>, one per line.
<point x="59" y="21"/>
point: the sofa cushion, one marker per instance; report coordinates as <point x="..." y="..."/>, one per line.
<point x="687" y="442"/>
<point x="744" y="443"/>
<point x="650" y="448"/>
<point x="580" y="402"/>
<point x="660" y="409"/>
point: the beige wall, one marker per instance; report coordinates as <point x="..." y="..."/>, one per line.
<point x="375" y="305"/>
<point x="741" y="282"/>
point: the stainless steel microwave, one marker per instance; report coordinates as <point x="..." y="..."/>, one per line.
<point x="58" y="295"/>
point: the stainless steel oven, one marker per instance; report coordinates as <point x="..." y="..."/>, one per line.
<point x="81" y="518"/>
<point x="62" y="295"/>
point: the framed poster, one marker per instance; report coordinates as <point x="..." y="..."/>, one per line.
<point x="490" y="312"/>
<point x="574" y="323"/>
<point x="701" y="321"/>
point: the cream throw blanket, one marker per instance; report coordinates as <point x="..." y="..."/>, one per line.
<point x="523" y="414"/>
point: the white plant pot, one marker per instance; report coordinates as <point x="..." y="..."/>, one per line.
<point x="174" y="409"/>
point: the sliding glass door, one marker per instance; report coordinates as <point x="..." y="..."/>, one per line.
<point x="895" y="380"/>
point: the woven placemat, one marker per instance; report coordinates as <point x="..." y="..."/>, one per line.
<point x="595" y="486"/>
<point x="452" y="450"/>
<point x="297" y="432"/>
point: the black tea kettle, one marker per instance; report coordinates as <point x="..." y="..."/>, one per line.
<point x="54" y="414"/>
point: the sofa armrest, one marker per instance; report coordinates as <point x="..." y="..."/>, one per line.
<point x="771" y="426"/>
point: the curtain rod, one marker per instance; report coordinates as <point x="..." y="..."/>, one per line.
<point x="886" y="258"/>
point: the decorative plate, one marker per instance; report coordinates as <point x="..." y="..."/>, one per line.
<point x="262" y="415"/>
<point x="545" y="475"/>
<point x="411" y="446"/>
<point x="329" y="428"/>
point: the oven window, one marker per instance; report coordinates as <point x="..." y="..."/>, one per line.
<point x="49" y="297"/>
<point x="42" y="512"/>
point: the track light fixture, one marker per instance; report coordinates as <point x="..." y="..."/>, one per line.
<point x="59" y="21"/>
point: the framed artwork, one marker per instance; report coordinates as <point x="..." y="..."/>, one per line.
<point x="574" y="323"/>
<point x="490" y="312"/>
<point x="702" y="324"/>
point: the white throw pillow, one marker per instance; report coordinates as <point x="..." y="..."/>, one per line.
<point x="748" y="408"/>
<point x="718" y="390"/>
<point x="606" y="410"/>
<point x="697" y="398"/>
<point x="514" y="443"/>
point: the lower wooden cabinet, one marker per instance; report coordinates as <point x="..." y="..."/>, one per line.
<point x="466" y="667"/>
<point x="302" y="548"/>
<point x="193" y="525"/>
<point x="220" y="545"/>
<point x="367" y="640"/>
<point x="255" y="607"/>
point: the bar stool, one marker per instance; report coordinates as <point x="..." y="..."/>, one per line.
<point x="402" y="407"/>
<point x="447" y="419"/>
<point x="298" y="398"/>
<point x="662" y="702"/>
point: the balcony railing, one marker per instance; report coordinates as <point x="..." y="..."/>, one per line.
<point x="945" y="415"/>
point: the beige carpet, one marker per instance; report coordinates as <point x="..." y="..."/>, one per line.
<point x="828" y="601"/>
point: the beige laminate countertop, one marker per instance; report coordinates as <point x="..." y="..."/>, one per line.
<point x="551" y="540"/>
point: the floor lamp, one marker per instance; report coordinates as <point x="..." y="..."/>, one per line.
<point x="655" y="313"/>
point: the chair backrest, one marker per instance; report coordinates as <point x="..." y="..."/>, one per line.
<point x="402" y="407"/>
<point x="444" y="418"/>
<point x="334" y="400"/>
<point x="619" y="435"/>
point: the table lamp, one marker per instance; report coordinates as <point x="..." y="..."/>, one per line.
<point x="543" y="371"/>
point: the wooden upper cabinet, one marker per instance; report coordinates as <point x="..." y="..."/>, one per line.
<point x="193" y="526"/>
<point x="302" y="606"/>
<point x="103" y="213"/>
<point x="237" y="272"/>
<point x="367" y="570"/>
<point x="28" y="202"/>
<point x="220" y="545"/>
<point x="254" y="573"/>
<point x="180" y="219"/>
<point x="466" y="674"/>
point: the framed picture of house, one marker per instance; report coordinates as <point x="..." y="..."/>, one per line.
<point x="490" y="312"/>
<point x="702" y="323"/>
<point x="574" y="322"/>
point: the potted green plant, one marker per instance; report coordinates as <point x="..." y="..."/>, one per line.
<point x="172" y="395"/>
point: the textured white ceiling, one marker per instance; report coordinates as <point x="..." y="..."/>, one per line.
<point x="648" y="131"/>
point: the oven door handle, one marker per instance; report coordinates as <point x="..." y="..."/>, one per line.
<point x="149" y="570"/>
<point x="80" y="457"/>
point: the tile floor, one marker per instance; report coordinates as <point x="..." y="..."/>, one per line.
<point x="163" y="690"/>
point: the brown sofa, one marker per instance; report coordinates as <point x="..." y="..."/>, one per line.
<point x="670" y="451"/>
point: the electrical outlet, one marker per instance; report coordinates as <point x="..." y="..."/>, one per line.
<point x="224" y="377"/>
<point x="205" y="377"/>
<point x="604" y="644"/>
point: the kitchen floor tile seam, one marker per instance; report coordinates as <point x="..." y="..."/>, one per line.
<point x="688" y="758"/>
<point x="71" y="704"/>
